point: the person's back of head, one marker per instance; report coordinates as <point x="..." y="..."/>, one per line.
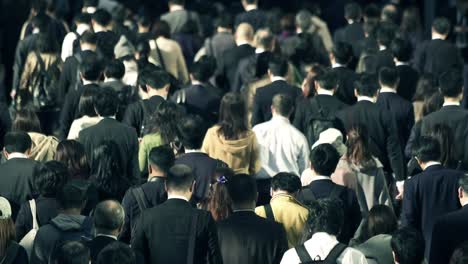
<point x="451" y="84"/>
<point x="353" y="12"/>
<point x="390" y="13"/>
<point x="242" y="189"/>
<point x="117" y="253"/>
<point x="192" y="130"/>
<point x="286" y="182"/>
<point x="371" y="13"/>
<point x="88" y="38"/>
<point x="17" y="142"/>
<point x="90" y="3"/>
<point x="177" y="2"/>
<point x="162" y="29"/>
<point x="244" y="32"/>
<point x="102" y="18"/>
<point x="283" y="105"/>
<point x="107" y="168"/>
<point x="114" y="69"/>
<point x="278" y="66"/>
<point x="357" y="143"/>
<point x="324" y="159"/>
<point x="86" y="103"/>
<point x="402" y="49"/>
<point x="407" y="246"/>
<point x="232" y="116"/>
<point x="109" y="218"/>
<point x="367" y="85"/>
<point x="444" y="134"/>
<point x="328" y="80"/>
<point x="160" y="160"/>
<point x="46" y="44"/>
<point x="73" y="155"/>
<point x="203" y="69"/>
<point x="82" y="19"/>
<point x="381" y="220"/>
<point x="106" y="102"/>
<point x="72" y="252"/>
<point x="427" y="150"/>
<point x="180" y="179"/>
<point x="386" y="33"/>
<point x="441" y="26"/>
<point x="389" y="77"/>
<point x="158" y="80"/>
<point x="71" y="198"/>
<point x="90" y="66"/>
<point x="326" y="215"/>
<point x="26" y="120"/>
<point x="225" y="21"/>
<point x="342" y="53"/>
<point x="50" y="177"/>
<point x="264" y="39"/>
<point x="303" y="20"/>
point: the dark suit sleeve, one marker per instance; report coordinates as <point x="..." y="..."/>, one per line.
<point x="23" y="222"/>
<point x="438" y="252"/>
<point x="65" y="79"/>
<point x="409" y="211"/>
<point x="125" y="235"/>
<point x="282" y="245"/>
<point x="409" y="122"/>
<point x="140" y="242"/>
<point x="420" y="58"/>
<point x="130" y="118"/>
<point x="299" y="117"/>
<point x="20" y="58"/>
<point x="257" y="115"/>
<point x="414" y="136"/>
<point x="394" y="149"/>
<point x="67" y="115"/>
<point x="133" y="165"/>
<point x="355" y="213"/>
<point x="214" y="252"/>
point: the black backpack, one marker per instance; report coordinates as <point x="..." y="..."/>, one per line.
<point x="44" y="85"/>
<point x="330" y="259"/>
<point x="76" y="48"/>
<point x="319" y="122"/>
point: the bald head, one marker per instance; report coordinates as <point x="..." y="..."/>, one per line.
<point x="264" y="39"/>
<point x="109" y="217"/>
<point x="244" y="33"/>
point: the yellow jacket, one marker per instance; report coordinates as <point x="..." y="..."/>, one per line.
<point x="289" y="212"/>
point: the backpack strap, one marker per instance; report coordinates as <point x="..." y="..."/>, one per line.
<point x="192" y="239"/>
<point x="140" y="198"/>
<point x="308" y="195"/>
<point x="269" y="212"/>
<point x="303" y="255"/>
<point x="145" y="114"/>
<point x="40" y="61"/>
<point x="32" y="204"/>
<point x="335" y="192"/>
<point x="335" y="253"/>
<point x="161" y="58"/>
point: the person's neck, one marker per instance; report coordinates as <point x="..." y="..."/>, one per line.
<point x="86" y="82"/>
<point x="464" y="200"/>
<point x="436" y="35"/>
<point x="143" y="30"/>
<point x="111" y="79"/>
<point x="240" y="42"/>
<point x="85" y="46"/>
<point x="99" y="28"/>
<point x="153" y="92"/>
<point x="179" y="195"/>
<point x="74" y="211"/>
<point x="322" y="91"/>
<point x="299" y="31"/>
<point x="279" y="193"/>
<point x="174" y="7"/>
<point x="278" y="116"/>
<point x="451" y="100"/>
<point x="384" y="88"/>
<point x="223" y="30"/>
<point x="156" y="174"/>
<point x="425" y="165"/>
<point x="243" y="207"/>
<point x="196" y="82"/>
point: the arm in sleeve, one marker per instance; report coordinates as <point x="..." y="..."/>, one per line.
<point x="303" y="159"/>
<point x="133" y="168"/>
<point x="255" y="163"/>
<point x="409" y="211"/>
<point x="214" y="251"/>
<point x="23" y="223"/>
<point x="394" y="149"/>
<point x="282" y="245"/>
<point x="257" y="116"/>
<point x="140" y="242"/>
<point x="125" y="235"/>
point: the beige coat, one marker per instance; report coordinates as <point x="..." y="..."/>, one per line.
<point x="43" y="147"/>
<point x="174" y="60"/>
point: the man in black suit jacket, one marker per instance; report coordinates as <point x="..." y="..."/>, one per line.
<point x="110" y="129"/>
<point x="420" y="204"/>
<point x="385" y="34"/>
<point x="108" y="221"/>
<point x="401" y="110"/>
<point x="252" y="15"/>
<point x="451" y="115"/>
<point x="340" y="56"/>
<point x="245" y="237"/>
<point x="278" y="69"/>
<point x="384" y="141"/>
<point x="324" y="159"/>
<point x="438" y="55"/>
<point x="353" y="32"/>
<point x="402" y="54"/>
<point x="17" y="181"/>
<point x="175" y="232"/>
<point x="450" y="230"/>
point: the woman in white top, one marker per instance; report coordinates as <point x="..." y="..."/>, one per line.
<point x="87" y="113"/>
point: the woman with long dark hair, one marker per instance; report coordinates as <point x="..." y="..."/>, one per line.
<point x="219" y="202"/>
<point x="72" y="154"/>
<point x="444" y="135"/>
<point x="231" y="140"/>
<point x="87" y="115"/>
<point x="10" y="251"/>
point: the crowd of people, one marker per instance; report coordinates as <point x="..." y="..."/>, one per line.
<point x="257" y="137"/>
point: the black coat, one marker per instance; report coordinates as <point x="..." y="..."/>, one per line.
<point x="408" y="81"/>
<point x="305" y="49"/>
<point x="383" y="134"/>
<point x="350" y="34"/>
<point x="125" y="137"/>
<point x="97" y="245"/>
<point x="384" y="58"/>
<point x="228" y="63"/>
<point x="448" y="233"/>
<point x="346" y="79"/>
<point x="138" y="111"/>
<point x="264" y="97"/>
<point x="163" y="234"/>
<point x="5" y="122"/>
<point x="437" y="56"/>
<point x="247" y="238"/>
<point x="322" y="189"/>
<point x="428" y="195"/>
<point x="256" y="18"/>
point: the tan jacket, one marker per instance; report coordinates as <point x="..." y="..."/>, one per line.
<point x="43" y="147"/>
<point x="174" y="60"/>
<point x="289" y="212"/>
<point x="31" y="63"/>
<point x="241" y="155"/>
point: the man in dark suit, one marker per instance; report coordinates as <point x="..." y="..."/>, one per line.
<point x="277" y="70"/>
<point x="245" y="237"/>
<point x="222" y="40"/>
<point x="110" y="129"/>
<point x="157" y="84"/>
<point x="108" y="221"/>
<point x="16" y="182"/>
<point x="401" y="110"/>
<point x="451" y="115"/>
<point x="178" y="17"/>
<point x="402" y="54"/>
<point x="438" y="55"/>
<point x="175" y="232"/>
<point x="385" y="34"/>
<point x="353" y="32"/>
<point x="340" y="57"/>
<point x="324" y="159"/>
<point x="450" y="230"/>
<point x="420" y="206"/>
<point x="252" y="15"/>
<point x="384" y="141"/>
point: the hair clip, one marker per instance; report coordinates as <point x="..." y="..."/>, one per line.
<point x="222" y="179"/>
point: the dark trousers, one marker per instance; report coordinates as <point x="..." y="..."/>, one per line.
<point x="263" y="188"/>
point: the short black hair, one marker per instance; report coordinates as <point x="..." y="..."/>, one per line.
<point x="225" y="21"/>
<point x="326" y="215"/>
<point x="460" y="254"/>
<point x="90" y="67"/>
<point x="106" y="102"/>
<point x="353" y="11"/>
<point x="278" y="66"/>
<point x="324" y="159"/>
<point x="117" y="253"/>
<point x="204" y="68"/>
<point x="402" y="49"/>
<point x="72" y="195"/>
<point x="441" y="25"/>
<point x="88" y="37"/>
<point x="283" y="104"/>
<point x="286" y="181"/>
<point x="72" y="252"/>
<point x="386" y="33"/>
<point x="90" y="3"/>
<point x="163" y="157"/>
<point x="242" y="189"/>
<point x="158" y="79"/>
<point x="177" y="2"/>
<point x="50" y="177"/>
<point x="115" y="69"/>
<point x="108" y="217"/>
<point x="192" y="130"/>
<point x="82" y="18"/>
<point x="162" y="28"/>
<point x="408" y="246"/>
<point x="102" y="17"/>
<point x="86" y="103"/>
<point x="367" y="85"/>
<point x="389" y="76"/>
<point x="428" y="149"/>
<point x="451" y="83"/>
<point x="463" y="182"/>
<point x="343" y="52"/>
<point x="41" y="21"/>
<point x="328" y="80"/>
<point x="18" y="141"/>
<point x="179" y="178"/>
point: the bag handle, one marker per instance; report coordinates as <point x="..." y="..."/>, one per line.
<point x="32" y="204"/>
<point x="269" y="212"/>
<point x="161" y="58"/>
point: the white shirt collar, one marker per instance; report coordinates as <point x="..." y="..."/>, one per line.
<point x="451" y="104"/>
<point x="387" y="90"/>
<point x="337" y="65"/>
<point x="175" y="196"/>
<point x="104" y="235"/>
<point x="399" y="63"/>
<point x="81" y="28"/>
<point x="110" y="80"/>
<point x="86" y="82"/>
<point x="432" y="163"/>
<point x="89" y="9"/>
<point x="259" y="50"/>
<point x="280" y="118"/>
<point x="437" y="37"/>
<point x="250" y="7"/>
<point x="324" y="92"/>
<point x="17" y="155"/>
<point x="277" y="78"/>
<point x="318" y="177"/>
<point x="366" y="98"/>
<point x="465" y="203"/>
<point x="193" y="151"/>
<point x="195" y="82"/>
<point x="176" y="8"/>
<point x="242" y="42"/>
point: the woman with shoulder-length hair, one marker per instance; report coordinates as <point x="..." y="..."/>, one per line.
<point x="72" y="154"/>
<point x="10" y="251"/>
<point x="231" y="140"/>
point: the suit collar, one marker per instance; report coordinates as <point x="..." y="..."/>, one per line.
<point x="434" y="168"/>
<point x="177" y="202"/>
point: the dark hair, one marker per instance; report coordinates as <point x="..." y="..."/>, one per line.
<point x="408" y="246"/>
<point x="463" y="182"/>
<point x="371" y="11"/>
<point x="426" y="87"/>
<point x="50" y="177"/>
<point x="283" y="104"/>
<point x="115" y="69"/>
<point x="117" y="253"/>
<point x="158" y="80"/>
<point x="451" y="83"/>
<point x="353" y="11"/>
<point x="358" y="151"/>
<point x="389" y="77"/>
<point x="444" y="135"/>
<point x="314" y="73"/>
<point x="7" y="235"/>
<point x="177" y="2"/>
<point x="288" y="22"/>
<point x="386" y="33"/>
<point x="325" y="215"/>
<point x="144" y="20"/>
<point x="90" y="67"/>
<point x="285" y="181"/>
<point x="242" y="189"/>
<point x="108" y="217"/>
<point x="192" y="130"/>
<point x="225" y="21"/>
<point x="164" y="121"/>
<point x="460" y="254"/>
<point x="324" y="159"/>
<point x="41" y="21"/>
<point x="71" y="196"/>
<point x="179" y="178"/>
<point x="328" y="80"/>
<point x="401" y="49"/>
<point x="219" y="202"/>
<point x="90" y="3"/>
<point x="102" y="17"/>
<point x="86" y="103"/>
<point x="381" y="220"/>
<point x="162" y="28"/>
<point x="411" y="20"/>
<point x="18" y="141"/>
<point x="441" y="25"/>
<point x="367" y="85"/>
<point x="88" y="37"/>
<point x="72" y="154"/>
<point x="45" y="43"/>
<point x="72" y="252"/>
<point x="278" y="66"/>
<point x="432" y="104"/>
<point x="204" y="68"/>
<point x="303" y="19"/>
<point x="428" y="149"/>
<point x="343" y="52"/>
<point x="232" y="116"/>
<point x="26" y="120"/>
<point x="82" y="18"/>
<point x="39" y="6"/>
<point x="106" y="102"/>
<point x="163" y="157"/>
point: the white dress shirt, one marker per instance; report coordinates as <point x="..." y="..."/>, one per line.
<point x="320" y="245"/>
<point x="67" y="45"/>
<point x="283" y="148"/>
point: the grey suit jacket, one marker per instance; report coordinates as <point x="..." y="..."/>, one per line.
<point x="178" y="19"/>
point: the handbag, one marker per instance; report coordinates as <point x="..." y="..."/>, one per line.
<point x="28" y="240"/>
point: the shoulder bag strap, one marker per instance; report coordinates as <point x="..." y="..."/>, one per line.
<point x="335" y="192"/>
<point x="192" y="239"/>
<point x="335" y="253"/>
<point x="140" y="198"/>
<point x="269" y="212"/>
<point x="32" y="204"/>
<point x="161" y="58"/>
<point x="303" y="254"/>
<point x="40" y="61"/>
